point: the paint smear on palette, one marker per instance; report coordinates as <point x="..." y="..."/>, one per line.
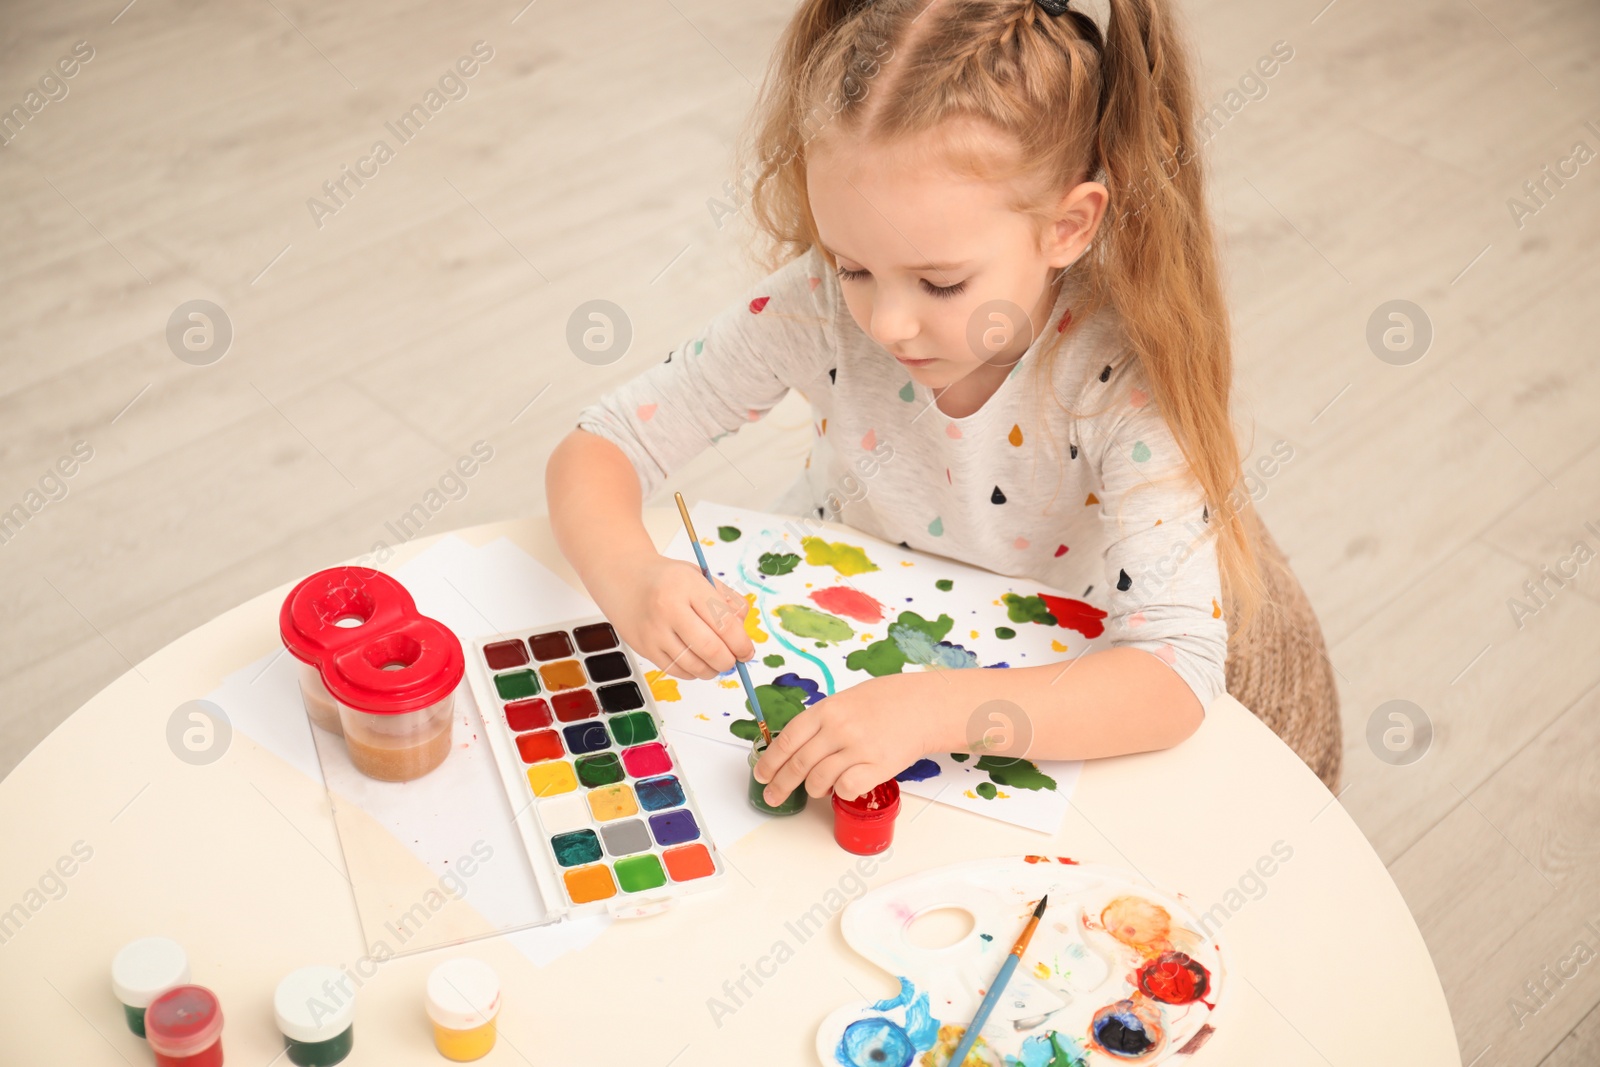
<point x="903" y="1028"/>
<point x="851" y="603"/>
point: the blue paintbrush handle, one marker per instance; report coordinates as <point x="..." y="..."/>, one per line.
<point x="738" y="664"/>
<point x="996" y="987"/>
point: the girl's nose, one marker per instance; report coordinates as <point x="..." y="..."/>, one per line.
<point x="893" y="322"/>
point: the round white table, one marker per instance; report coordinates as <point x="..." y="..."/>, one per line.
<point x="108" y="836"/>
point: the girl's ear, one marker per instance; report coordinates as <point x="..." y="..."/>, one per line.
<point x="1077" y="220"/>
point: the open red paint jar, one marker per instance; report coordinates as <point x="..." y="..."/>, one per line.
<point x="332" y="610"/>
<point x="184" y="1027"/>
<point x="396" y="698"/>
<point x="865" y="825"/>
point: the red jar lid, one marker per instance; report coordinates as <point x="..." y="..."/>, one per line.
<point x="310" y="616"/>
<point x="184" y="1020"/>
<point x="409" y="666"/>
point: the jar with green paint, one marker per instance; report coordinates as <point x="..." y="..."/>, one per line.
<point x="142" y="971"/>
<point x="794" y="802"/>
<point x="316" y="1012"/>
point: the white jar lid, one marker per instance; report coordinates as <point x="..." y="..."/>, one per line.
<point x="316" y="1003"/>
<point x="147" y="968"/>
<point x="463" y="994"/>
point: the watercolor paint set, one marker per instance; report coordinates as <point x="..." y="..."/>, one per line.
<point x="601" y="801"/>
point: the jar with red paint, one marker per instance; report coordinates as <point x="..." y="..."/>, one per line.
<point x="865" y="825"/>
<point x="331" y="610"/>
<point x="184" y="1027"/>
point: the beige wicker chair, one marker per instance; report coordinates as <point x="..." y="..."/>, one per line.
<point x="1280" y="668"/>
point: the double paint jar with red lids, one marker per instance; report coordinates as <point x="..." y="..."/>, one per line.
<point x="389" y="674"/>
<point x="184" y="1027"/>
<point x="332" y="610"/>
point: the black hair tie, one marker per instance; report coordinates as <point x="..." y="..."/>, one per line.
<point x="1053" y="7"/>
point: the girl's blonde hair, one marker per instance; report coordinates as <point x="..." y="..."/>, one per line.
<point x="1077" y="105"/>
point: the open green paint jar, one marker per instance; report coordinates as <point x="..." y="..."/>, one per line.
<point x="144" y="970"/>
<point x="794" y="802"/>
<point x="316" y="1011"/>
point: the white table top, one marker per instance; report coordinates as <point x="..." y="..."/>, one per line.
<point x="236" y="860"/>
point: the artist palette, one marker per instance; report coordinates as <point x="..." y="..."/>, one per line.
<point x="601" y="801"/>
<point x="1117" y="972"/>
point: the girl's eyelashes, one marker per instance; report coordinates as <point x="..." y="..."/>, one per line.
<point x="943" y="292"/>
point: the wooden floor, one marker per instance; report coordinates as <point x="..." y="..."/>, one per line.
<point x="374" y="345"/>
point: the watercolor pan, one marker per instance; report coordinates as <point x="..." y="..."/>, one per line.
<point x="609" y="822"/>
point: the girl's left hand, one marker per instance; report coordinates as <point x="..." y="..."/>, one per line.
<point x="851" y="741"/>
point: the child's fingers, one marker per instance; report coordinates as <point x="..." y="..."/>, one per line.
<point x="858" y="780"/>
<point x="719" y="612"/>
<point x="826" y="775"/>
<point x="800" y="729"/>
<point x="678" y="660"/>
<point x="795" y="769"/>
<point x="704" y="642"/>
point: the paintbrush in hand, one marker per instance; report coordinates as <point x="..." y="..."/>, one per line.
<point x="744" y="675"/>
<point x="998" y="986"/>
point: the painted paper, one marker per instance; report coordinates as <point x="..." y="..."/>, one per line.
<point x="829" y="611"/>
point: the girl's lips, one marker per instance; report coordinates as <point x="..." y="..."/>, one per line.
<point x="908" y="361"/>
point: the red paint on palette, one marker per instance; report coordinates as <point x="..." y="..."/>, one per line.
<point x="575" y="704"/>
<point x="553" y="645"/>
<point x="539" y="746"/>
<point x="527" y="714"/>
<point x="643" y="761"/>
<point x="852" y="603"/>
<point x="503" y="655"/>
<point x="1174" y="978"/>
<point x="758" y="303"/>
<point x="1075" y="614"/>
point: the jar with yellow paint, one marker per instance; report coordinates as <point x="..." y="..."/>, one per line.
<point x="463" y="1000"/>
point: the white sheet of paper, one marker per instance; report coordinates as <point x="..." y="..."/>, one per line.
<point x="899" y="580"/>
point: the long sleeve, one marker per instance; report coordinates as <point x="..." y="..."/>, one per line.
<point x="780" y="334"/>
<point x="1160" y="559"/>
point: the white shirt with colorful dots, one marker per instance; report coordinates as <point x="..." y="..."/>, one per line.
<point x="1101" y="506"/>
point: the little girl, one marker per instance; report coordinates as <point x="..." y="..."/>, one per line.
<point x="995" y="283"/>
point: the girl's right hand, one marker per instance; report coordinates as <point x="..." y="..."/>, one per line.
<point x="668" y="613"/>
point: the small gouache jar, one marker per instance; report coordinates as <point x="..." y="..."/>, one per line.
<point x="463" y="1002"/>
<point x="184" y="1028"/>
<point x="794" y="802"/>
<point x="330" y="610"/>
<point x="396" y="698"/>
<point x="142" y="971"/>
<point x="316" y="1016"/>
<point x="865" y="825"/>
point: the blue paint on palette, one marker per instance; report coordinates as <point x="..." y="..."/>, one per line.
<point x="875" y="1042"/>
<point x="657" y="793"/>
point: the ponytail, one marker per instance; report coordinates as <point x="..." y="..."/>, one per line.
<point x="1159" y="268"/>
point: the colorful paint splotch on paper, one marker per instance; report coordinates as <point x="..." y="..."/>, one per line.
<point x="828" y="610"/>
<point x="1123" y="973"/>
